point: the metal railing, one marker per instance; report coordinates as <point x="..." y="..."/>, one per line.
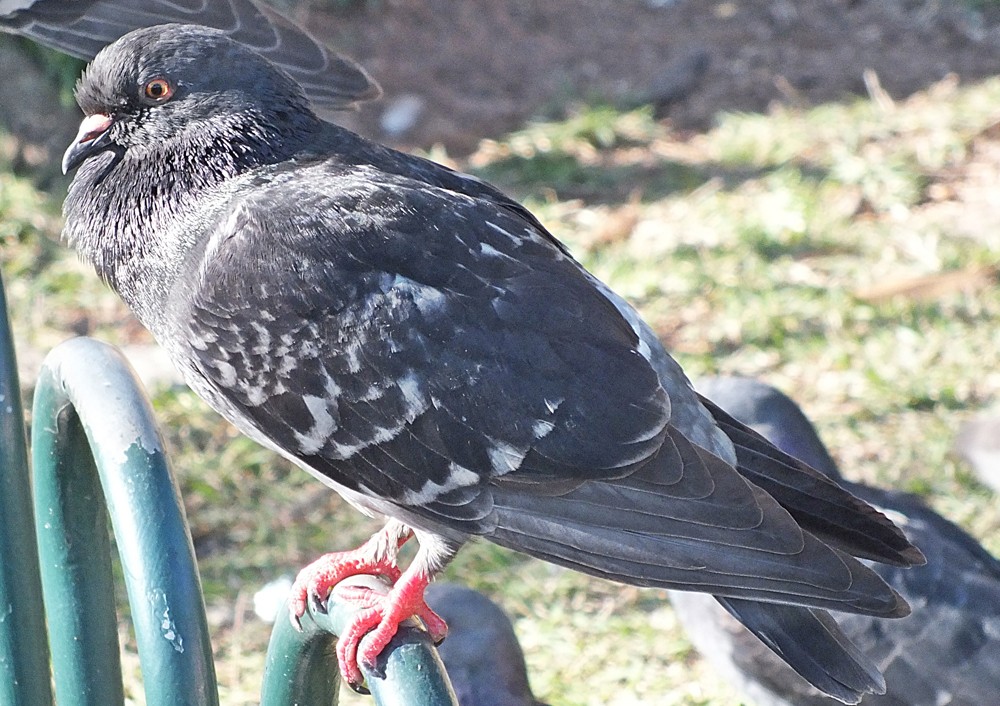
<point x="24" y="654"/>
<point x="97" y="455"/>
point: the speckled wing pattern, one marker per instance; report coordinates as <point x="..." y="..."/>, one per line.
<point x="83" y="27"/>
<point x="436" y="350"/>
<point x="415" y="360"/>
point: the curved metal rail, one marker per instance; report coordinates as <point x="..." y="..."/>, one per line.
<point x="298" y="671"/>
<point x="98" y="456"/>
<point x="24" y="654"/>
<point x="97" y="453"/>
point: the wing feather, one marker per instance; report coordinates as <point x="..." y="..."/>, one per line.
<point x="476" y="377"/>
<point x="818" y="503"/>
<point x="82" y="28"/>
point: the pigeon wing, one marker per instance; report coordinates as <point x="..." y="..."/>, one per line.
<point x="410" y="359"/>
<point x="437" y="352"/>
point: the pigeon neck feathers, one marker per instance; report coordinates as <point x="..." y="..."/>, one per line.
<point x="136" y="209"/>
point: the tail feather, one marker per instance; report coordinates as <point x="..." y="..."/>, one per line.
<point x="817" y="503"/>
<point x="813" y="645"/>
<point x="736" y="540"/>
<point x="772" y="539"/>
<point x="818" y="576"/>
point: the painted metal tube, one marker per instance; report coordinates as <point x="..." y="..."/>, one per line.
<point x="97" y="453"/>
<point x="24" y="653"/>
<point x="300" y="668"/>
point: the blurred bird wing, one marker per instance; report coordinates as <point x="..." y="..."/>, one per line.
<point x="84" y="27"/>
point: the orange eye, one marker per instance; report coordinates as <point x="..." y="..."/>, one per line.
<point x="158" y="90"/>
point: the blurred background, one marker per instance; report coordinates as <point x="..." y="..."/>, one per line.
<point x="802" y="192"/>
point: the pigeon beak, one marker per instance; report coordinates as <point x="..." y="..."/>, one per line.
<point x="91" y="139"/>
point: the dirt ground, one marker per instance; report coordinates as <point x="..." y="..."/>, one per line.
<point x="455" y="72"/>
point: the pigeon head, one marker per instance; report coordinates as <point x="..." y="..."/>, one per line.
<point x="174" y="114"/>
<point x="173" y="88"/>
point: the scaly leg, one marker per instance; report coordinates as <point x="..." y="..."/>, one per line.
<point x="371" y="629"/>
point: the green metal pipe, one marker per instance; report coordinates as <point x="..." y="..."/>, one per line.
<point x="301" y="668"/>
<point x="24" y="654"/>
<point x="97" y="454"/>
<point x="96" y="451"/>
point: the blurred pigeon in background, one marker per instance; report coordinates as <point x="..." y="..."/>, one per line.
<point x="946" y="653"/>
<point x="482" y="655"/>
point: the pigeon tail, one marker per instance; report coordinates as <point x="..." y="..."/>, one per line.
<point x="813" y="645"/>
<point x="817" y="503"/>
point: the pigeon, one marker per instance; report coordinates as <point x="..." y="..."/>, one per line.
<point x="423" y="345"/>
<point x="81" y="28"/>
<point x="947" y="653"/>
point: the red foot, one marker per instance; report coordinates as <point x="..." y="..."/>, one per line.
<point x="379" y="616"/>
<point x="315" y="581"/>
<point x="371" y="629"/>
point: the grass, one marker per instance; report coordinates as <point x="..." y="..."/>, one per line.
<point x="842" y="253"/>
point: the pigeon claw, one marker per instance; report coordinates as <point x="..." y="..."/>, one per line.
<point x="377" y="620"/>
<point x="313" y="584"/>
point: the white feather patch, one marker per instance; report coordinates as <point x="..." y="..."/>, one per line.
<point x="323" y="425"/>
<point x="459" y="477"/>
<point x="505" y="458"/>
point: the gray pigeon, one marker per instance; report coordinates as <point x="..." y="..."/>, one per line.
<point x="81" y="28"/>
<point x="947" y="653"/>
<point x="419" y="342"/>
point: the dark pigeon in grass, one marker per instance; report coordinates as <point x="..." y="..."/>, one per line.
<point x="419" y="342"/>
<point x="81" y="28"/>
<point x="947" y="653"/>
